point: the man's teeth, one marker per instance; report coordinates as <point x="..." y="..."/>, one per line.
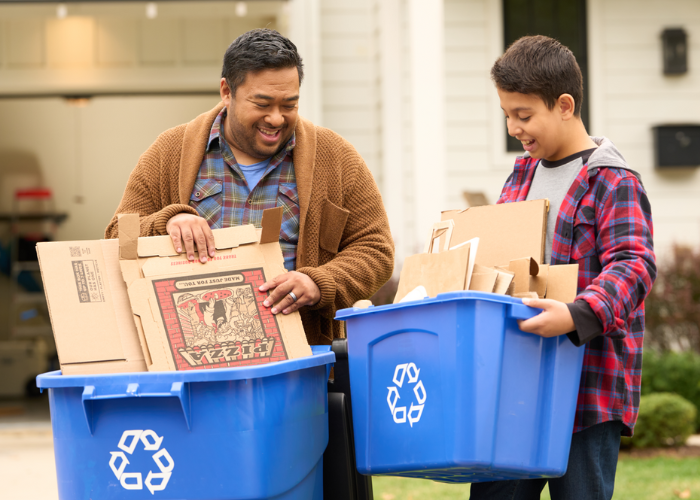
<point x="527" y="143"/>
<point x="269" y="133"/>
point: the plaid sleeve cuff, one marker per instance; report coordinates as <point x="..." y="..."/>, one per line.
<point x="164" y="215"/>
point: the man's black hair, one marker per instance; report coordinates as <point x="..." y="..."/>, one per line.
<point x="257" y="50"/>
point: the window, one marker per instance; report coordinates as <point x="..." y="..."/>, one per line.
<point x="564" y="20"/>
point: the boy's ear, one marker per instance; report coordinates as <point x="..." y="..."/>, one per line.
<point x="566" y="105"/>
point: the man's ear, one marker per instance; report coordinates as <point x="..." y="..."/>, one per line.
<point x="566" y="105"/>
<point x="225" y="92"/>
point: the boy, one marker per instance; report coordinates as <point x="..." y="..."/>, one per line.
<point x="600" y="217"/>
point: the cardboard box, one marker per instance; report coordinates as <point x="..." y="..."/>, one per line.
<point x="89" y="307"/>
<point x="96" y="330"/>
<point x="192" y="316"/>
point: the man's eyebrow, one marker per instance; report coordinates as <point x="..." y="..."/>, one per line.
<point x="268" y="98"/>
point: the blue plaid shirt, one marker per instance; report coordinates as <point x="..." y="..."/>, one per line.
<point x="222" y="197"/>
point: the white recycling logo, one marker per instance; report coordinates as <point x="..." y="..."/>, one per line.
<point x="155" y="481"/>
<point x="415" y="411"/>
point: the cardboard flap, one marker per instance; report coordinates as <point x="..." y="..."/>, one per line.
<point x="271" y="225"/>
<point x="538" y="284"/>
<point x="232" y="237"/>
<point x="129" y="228"/>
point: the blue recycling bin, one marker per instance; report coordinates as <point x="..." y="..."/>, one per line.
<point x="234" y="433"/>
<point x="450" y="389"/>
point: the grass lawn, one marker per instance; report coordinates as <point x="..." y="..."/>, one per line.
<point x="656" y="478"/>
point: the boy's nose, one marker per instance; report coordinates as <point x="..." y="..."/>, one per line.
<point x="513" y="130"/>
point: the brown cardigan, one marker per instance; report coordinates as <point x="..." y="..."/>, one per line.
<point x="345" y="244"/>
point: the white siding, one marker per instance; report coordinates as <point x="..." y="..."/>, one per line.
<point x="630" y="95"/>
<point x="349" y="76"/>
<point x="476" y="157"/>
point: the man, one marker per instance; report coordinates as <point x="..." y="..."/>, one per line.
<point x="253" y="152"/>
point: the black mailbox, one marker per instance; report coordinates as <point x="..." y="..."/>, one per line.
<point x="675" y="50"/>
<point x="677" y="145"/>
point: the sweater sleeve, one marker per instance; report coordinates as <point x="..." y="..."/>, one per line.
<point x="147" y="196"/>
<point x="365" y="258"/>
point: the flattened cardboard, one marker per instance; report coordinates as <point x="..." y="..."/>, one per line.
<point x="198" y="316"/>
<point x="507" y="231"/>
<point x="562" y="283"/>
<point x="89" y="307"/>
<point x="437" y="272"/>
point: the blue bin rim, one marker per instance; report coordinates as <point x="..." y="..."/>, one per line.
<point x="320" y="355"/>
<point x="352" y="312"/>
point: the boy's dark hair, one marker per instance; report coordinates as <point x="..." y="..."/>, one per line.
<point x="541" y="66"/>
<point x="257" y="50"/>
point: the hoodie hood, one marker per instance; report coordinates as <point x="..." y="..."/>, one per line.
<point x="608" y="156"/>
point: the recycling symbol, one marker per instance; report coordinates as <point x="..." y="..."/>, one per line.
<point x="416" y="410"/>
<point x="155" y="481"/>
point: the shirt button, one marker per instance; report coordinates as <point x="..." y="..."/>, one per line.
<point x="250" y="202"/>
<point x="198" y="194"/>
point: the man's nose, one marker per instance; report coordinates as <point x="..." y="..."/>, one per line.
<point x="275" y="118"/>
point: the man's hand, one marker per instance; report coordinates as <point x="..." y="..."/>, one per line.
<point x="186" y="231"/>
<point x="555" y="318"/>
<point x="303" y="287"/>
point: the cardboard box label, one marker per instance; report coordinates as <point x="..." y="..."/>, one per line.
<point x="88" y="281"/>
<point x="218" y="319"/>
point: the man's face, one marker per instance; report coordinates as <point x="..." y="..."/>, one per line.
<point x="532" y="123"/>
<point x="262" y="114"/>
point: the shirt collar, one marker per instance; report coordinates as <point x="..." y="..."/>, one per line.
<point x="215" y="135"/>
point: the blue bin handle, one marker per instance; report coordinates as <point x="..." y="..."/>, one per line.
<point x="521" y="311"/>
<point x="180" y="390"/>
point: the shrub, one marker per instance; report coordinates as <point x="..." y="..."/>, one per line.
<point x="677" y="372"/>
<point x="664" y="419"/>
<point x="673" y="305"/>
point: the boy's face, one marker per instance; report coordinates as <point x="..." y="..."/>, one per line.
<point x="539" y="128"/>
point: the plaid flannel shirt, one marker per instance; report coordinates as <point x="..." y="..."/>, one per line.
<point x="605" y="226"/>
<point x="222" y="197"/>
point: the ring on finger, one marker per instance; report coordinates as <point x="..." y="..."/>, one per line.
<point x="294" y="297"/>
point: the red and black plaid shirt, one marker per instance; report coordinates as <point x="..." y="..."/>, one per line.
<point x="605" y="225"/>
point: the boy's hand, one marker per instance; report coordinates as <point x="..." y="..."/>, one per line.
<point x="555" y="318"/>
